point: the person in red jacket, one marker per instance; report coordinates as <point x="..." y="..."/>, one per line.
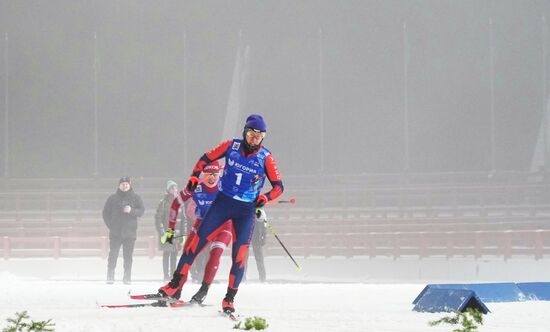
<point x="202" y="198"/>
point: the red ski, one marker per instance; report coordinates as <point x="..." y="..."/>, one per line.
<point x="152" y="296"/>
<point x="160" y="301"/>
<point x="150" y="304"/>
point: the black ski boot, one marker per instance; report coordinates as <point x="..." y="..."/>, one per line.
<point x="200" y="295"/>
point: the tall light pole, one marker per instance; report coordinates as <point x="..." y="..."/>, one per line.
<point x="6" y="107"/>
<point x="321" y="106"/>
<point x="545" y="110"/>
<point x="96" y="117"/>
<point x="492" y="94"/>
<point x="184" y="106"/>
<point x="406" y="153"/>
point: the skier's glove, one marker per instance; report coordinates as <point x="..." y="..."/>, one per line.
<point x="168" y="237"/>
<point x="192" y="184"/>
<point x="260" y="214"/>
<point x="260" y="201"/>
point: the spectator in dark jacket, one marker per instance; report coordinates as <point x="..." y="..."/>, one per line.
<point x="120" y="214"/>
<point x="170" y="250"/>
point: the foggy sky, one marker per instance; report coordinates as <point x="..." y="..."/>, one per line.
<point x="345" y="86"/>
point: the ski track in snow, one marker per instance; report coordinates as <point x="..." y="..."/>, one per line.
<point x="287" y="307"/>
<point x="329" y="295"/>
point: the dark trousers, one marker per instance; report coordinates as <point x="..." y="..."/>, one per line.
<point x="259" y="256"/>
<point x="169" y="263"/>
<point x="127" y="253"/>
<point x="258" y="249"/>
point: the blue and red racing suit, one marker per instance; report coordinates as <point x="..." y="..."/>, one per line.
<point x="202" y="198"/>
<point x="241" y="183"/>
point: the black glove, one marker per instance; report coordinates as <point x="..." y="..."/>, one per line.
<point x="260" y="201"/>
<point x="192" y="184"/>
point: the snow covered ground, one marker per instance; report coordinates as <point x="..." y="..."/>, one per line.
<point x="328" y="295"/>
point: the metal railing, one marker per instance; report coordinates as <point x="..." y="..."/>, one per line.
<point x="375" y="217"/>
<point x="475" y="244"/>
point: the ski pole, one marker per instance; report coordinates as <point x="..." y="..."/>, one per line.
<point x="173" y="237"/>
<point x="292" y="200"/>
<point x="266" y="223"/>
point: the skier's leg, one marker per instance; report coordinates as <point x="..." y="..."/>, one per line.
<point x="199" y="264"/>
<point x="221" y="241"/>
<point x="243" y="228"/>
<point x="192" y="234"/>
<point x="243" y="235"/>
<point x="216" y="215"/>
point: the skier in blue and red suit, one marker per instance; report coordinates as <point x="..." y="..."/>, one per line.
<point x="247" y="164"/>
<point x="202" y="198"/>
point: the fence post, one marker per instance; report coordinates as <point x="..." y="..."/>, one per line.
<point x="449" y="244"/>
<point x="152" y="241"/>
<point x="7" y="247"/>
<point x="17" y="206"/>
<point x="479" y="245"/>
<point x="538" y="244"/>
<point x="370" y="244"/>
<point x="507" y="244"/>
<point x="56" y="246"/>
<point x="396" y="245"/>
<point x="422" y="247"/>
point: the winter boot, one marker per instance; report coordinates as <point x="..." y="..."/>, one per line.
<point x="110" y="277"/>
<point x="200" y="295"/>
<point x="262" y="277"/>
<point x="173" y="288"/>
<point x="127" y="279"/>
<point x="227" y="303"/>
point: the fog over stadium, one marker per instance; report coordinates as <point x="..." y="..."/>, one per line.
<point x="104" y="88"/>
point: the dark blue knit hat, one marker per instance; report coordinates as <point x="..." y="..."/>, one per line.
<point x="255" y="121"/>
<point x="124" y="179"/>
